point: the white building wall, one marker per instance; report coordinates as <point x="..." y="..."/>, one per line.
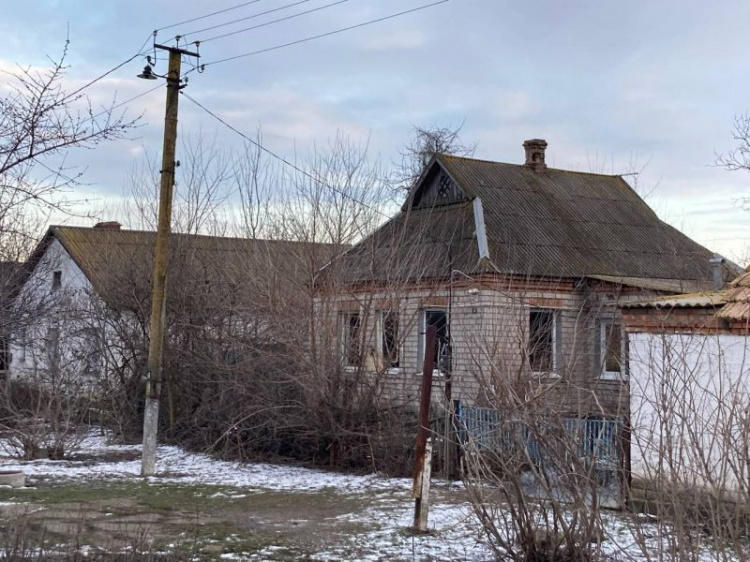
<point x="690" y="408"/>
<point x="75" y="311"/>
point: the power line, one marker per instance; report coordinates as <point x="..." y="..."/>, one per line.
<point x="209" y="15"/>
<point x="282" y="159"/>
<point x="110" y="71"/>
<point x="275" y="21"/>
<point x="95" y="80"/>
<point x="245" y="18"/>
<point x="117" y="106"/>
<point x="306" y="39"/>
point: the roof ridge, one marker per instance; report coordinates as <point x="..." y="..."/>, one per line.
<point x="598" y="174"/>
<point x="190" y="235"/>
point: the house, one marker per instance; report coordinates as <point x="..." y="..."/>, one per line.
<point x="690" y="388"/>
<point x="87" y="299"/>
<point x="520" y="269"/>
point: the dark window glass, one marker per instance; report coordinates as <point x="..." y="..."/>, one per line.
<point x="439" y="320"/>
<point x="350" y="337"/>
<point x="541" y="340"/>
<point x="611" y="347"/>
<point x="4" y="355"/>
<point x="56" y="280"/>
<point x="389" y="338"/>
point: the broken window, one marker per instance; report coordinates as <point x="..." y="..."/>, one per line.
<point x="610" y="346"/>
<point x="438" y="319"/>
<point x="389" y="338"/>
<point x="56" y="280"/>
<point x="351" y="338"/>
<point x="542" y="340"/>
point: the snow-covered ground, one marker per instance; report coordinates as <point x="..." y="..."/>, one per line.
<point x="385" y="517"/>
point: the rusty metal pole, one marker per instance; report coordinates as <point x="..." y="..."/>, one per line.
<point x="421" y="461"/>
<point x="161" y="258"/>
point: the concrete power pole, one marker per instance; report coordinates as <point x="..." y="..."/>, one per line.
<point x="161" y="259"/>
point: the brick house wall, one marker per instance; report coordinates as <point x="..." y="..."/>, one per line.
<point x="489" y="324"/>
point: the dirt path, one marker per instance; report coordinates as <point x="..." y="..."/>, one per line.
<point x="208" y="521"/>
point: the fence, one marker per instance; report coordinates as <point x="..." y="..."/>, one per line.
<point x="598" y="441"/>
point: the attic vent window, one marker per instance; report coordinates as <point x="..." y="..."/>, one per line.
<point x="444" y="186"/>
<point x="56" y="280"/>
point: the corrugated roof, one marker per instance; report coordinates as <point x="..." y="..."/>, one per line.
<point x="553" y="223"/>
<point x="662" y="285"/>
<point x="737" y="299"/>
<point x="733" y="302"/>
<point x="119" y="263"/>
<point x="689" y="300"/>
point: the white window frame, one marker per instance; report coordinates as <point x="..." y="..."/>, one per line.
<point x="423" y="335"/>
<point x="605" y="375"/>
<point x="555" y="342"/>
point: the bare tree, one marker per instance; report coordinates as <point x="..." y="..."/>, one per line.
<point x="739" y="157"/>
<point x="424" y="144"/>
<point x="40" y="120"/>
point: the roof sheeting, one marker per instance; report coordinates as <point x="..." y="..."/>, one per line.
<point x="553" y="223"/>
<point x="119" y="263"/>
<point x="737" y="297"/>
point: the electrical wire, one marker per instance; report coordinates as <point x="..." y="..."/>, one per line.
<point x="275" y="21"/>
<point x="119" y="105"/>
<point x="95" y="80"/>
<point x="209" y="15"/>
<point x="282" y="159"/>
<point x="245" y="18"/>
<point x="110" y="71"/>
<point x="306" y="39"/>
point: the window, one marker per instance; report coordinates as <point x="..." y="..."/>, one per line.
<point x="56" y="280"/>
<point x="4" y="355"/>
<point x="542" y="341"/>
<point x="21" y="345"/>
<point x="53" y="345"/>
<point x="351" y="338"/>
<point x="94" y="346"/>
<point x="438" y="319"/>
<point x="610" y="349"/>
<point x="389" y="338"/>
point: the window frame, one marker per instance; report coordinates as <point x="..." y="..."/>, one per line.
<point x="423" y="337"/>
<point x="52" y="345"/>
<point x="391" y="361"/>
<point x="57" y="280"/>
<point x="6" y="357"/>
<point x="345" y="317"/>
<point x="554" y="344"/>
<point x="605" y="374"/>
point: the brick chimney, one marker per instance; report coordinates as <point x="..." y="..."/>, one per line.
<point x="108" y="225"/>
<point x="535" y="154"/>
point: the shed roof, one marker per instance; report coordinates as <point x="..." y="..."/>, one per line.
<point x="551" y="223"/>
<point x="732" y="302"/>
<point x="737" y="297"/>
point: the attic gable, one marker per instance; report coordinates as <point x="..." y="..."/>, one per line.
<point x="436" y="187"/>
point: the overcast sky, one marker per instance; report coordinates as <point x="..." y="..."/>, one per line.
<point x="612" y="86"/>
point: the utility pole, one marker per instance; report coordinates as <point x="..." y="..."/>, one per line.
<point x="161" y="259"/>
<point x="423" y="449"/>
